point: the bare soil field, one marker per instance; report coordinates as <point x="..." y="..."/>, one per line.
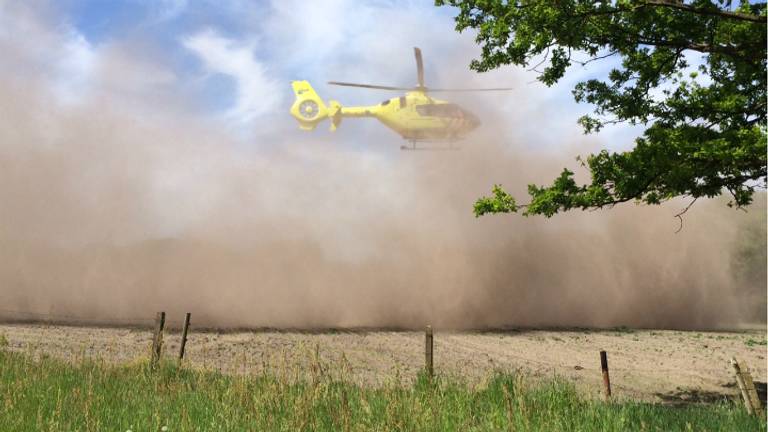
<point x="653" y="365"/>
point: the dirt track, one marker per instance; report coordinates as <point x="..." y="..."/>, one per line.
<point x="656" y="365"/>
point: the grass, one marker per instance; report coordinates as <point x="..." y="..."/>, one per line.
<point x="753" y="342"/>
<point x="623" y="329"/>
<point x="50" y="395"/>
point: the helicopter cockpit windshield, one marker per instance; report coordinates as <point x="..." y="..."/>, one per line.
<point x="439" y="110"/>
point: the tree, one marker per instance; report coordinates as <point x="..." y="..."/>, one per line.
<point x="706" y="128"/>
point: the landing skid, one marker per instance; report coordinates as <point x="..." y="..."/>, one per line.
<point x="414" y="146"/>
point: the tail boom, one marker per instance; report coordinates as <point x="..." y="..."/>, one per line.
<point x="309" y="110"/>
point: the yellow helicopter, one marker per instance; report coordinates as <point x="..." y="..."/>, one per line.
<point x="415" y="116"/>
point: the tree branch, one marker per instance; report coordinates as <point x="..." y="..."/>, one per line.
<point x="685" y="210"/>
<point x="700" y="47"/>
<point x="676" y="5"/>
<point x="546" y="56"/>
<point x="584" y="63"/>
<point x="720" y="13"/>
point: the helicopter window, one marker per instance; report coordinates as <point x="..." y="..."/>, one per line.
<point x="402" y="102"/>
<point x="439" y="110"/>
<point x="386" y="102"/>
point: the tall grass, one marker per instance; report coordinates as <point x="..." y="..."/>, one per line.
<point x="50" y="395"/>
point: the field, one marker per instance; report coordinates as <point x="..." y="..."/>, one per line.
<point x="646" y="365"/>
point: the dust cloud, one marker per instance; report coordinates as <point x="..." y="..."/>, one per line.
<point x="110" y="213"/>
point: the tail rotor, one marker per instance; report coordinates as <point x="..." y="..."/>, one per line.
<point x="308" y="109"/>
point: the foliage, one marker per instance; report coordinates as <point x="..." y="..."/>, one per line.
<point x="705" y="122"/>
<point x="47" y="394"/>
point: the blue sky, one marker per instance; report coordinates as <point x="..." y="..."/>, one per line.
<point x="231" y="61"/>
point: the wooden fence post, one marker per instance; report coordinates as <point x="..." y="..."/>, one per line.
<point x="184" y="336"/>
<point x="428" y="352"/>
<point x="157" y="340"/>
<point x="747" y="388"/>
<point x="606" y="377"/>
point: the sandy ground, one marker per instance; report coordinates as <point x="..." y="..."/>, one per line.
<point x="653" y="365"/>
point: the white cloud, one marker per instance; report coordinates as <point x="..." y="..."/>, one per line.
<point x="353" y="40"/>
<point x="256" y="90"/>
<point x="33" y="47"/>
<point x="74" y="68"/>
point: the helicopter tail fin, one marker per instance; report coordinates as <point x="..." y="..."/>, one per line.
<point x="308" y="109"/>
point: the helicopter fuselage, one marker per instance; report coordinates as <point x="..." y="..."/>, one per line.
<point x="414" y="116"/>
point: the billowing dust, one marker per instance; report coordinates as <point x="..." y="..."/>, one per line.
<point x="109" y="212"/>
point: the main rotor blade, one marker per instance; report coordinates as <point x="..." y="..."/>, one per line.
<point x="465" y="90"/>
<point x="419" y="66"/>
<point x="368" y="86"/>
